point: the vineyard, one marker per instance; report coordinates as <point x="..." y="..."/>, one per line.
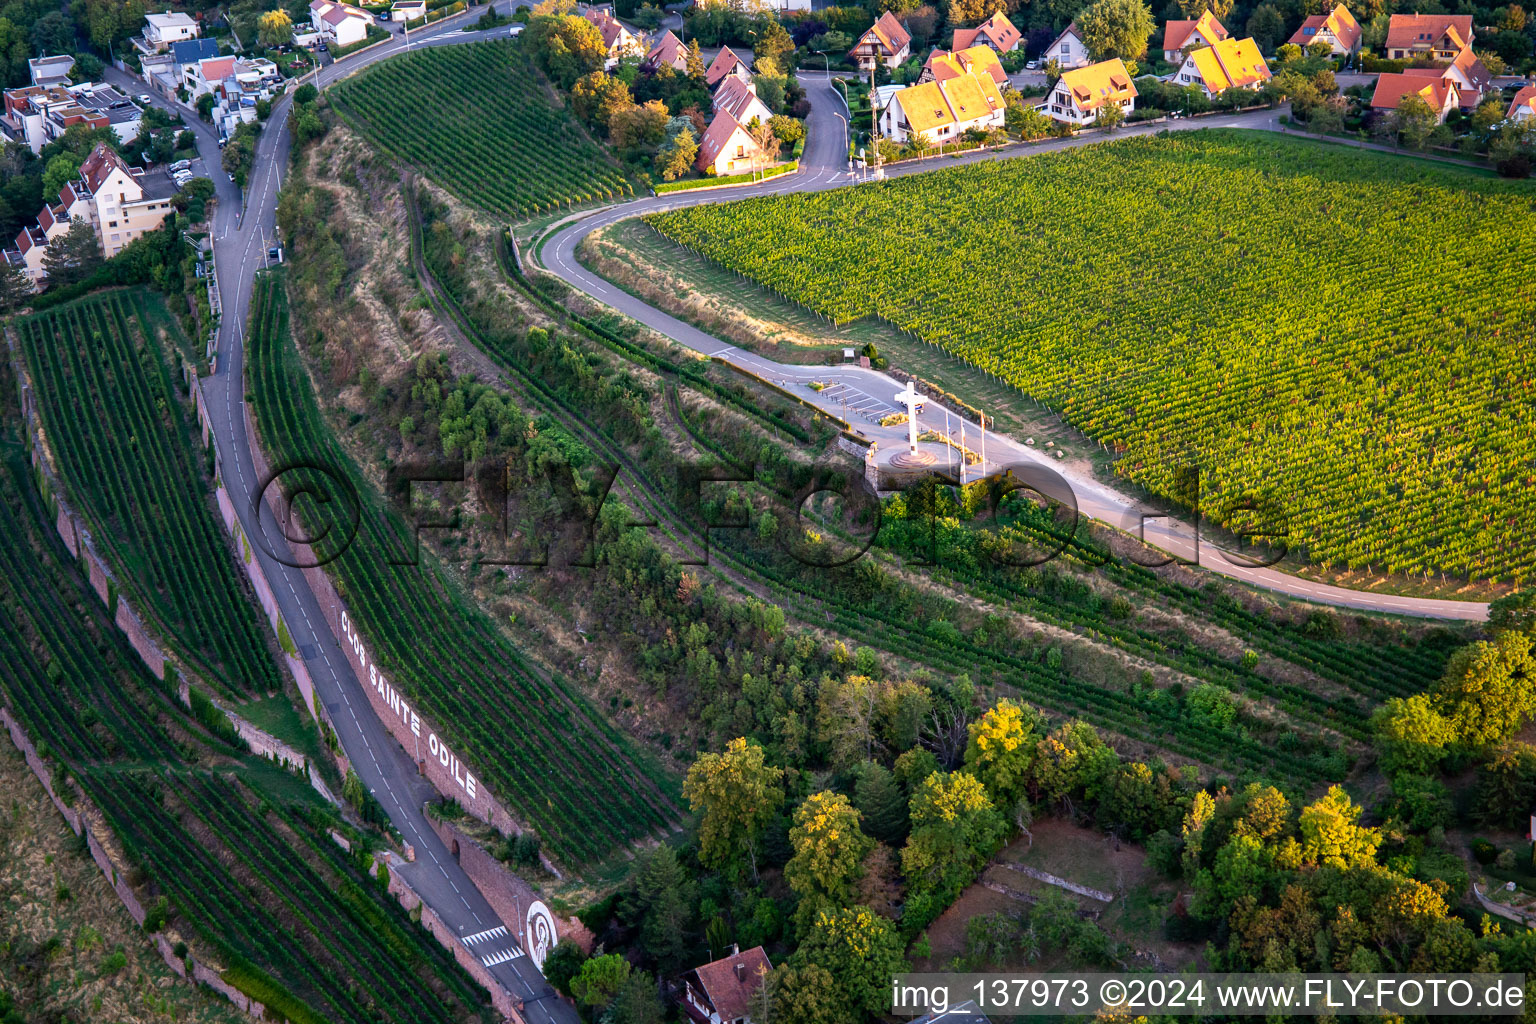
<point x="289" y="918"/>
<point x="1384" y="400"/>
<point x="125" y="448"/>
<point x="546" y="754"/>
<point x="478" y="120"/>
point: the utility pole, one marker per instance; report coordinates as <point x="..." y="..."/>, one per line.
<point x="874" y="119"/>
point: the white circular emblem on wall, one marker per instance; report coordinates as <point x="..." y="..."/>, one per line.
<point x="540" y="933"/>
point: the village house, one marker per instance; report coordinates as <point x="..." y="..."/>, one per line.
<point x="1438" y="36"/>
<point x="942" y="66"/>
<point x="1523" y="108"/>
<point x="723" y="992"/>
<point x="617" y="40"/>
<point x="670" y="52"/>
<point x="1437" y="91"/>
<point x="886" y="42"/>
<point x="1068" y="50"/>
<point x="1081" y="93"/>
<point x="726" y="62"/>
<point x="1338" y="29"/>
<point x="944" y="109"/>
<point x="997" y="32"/>
<point x="1228" y="64"/>
<point x="34" y="116"/>
<point x="120" y="203"/>
<point x="739" y="99"/>
<point x="1472" y="77"/>
<point x="1182" y="36"/>
<point x="339" y="24"/>
<point x="727" y="147"/>
<point x="161" y="30"/>
<point x="47" y="71"/>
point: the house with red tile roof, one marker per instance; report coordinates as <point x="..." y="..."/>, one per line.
<point x="1471" y="76"/>
<point x="981" y="60"/>
<point x="1338" y="28"/>
<point x="1439" y="92"/>
<point x="1068" y="49"/>
<point x="997" y="32"/>
<point x="726" y="62"/>
<point x="1181" y="36"/>
<point x="1228" y="64"/>
<point x="670" y="52"/>
<point x="886" y="42"/>
<point x="1082" y="92"/>
<point x="724" y="992"/>
<point x="1523" y="108"/>
<point x="1439" y="36"/>
<point x="339" y="24"/>
<point x="739" y="99"/>
<point x="727" y="147"/>
<point x="618" y="40"/>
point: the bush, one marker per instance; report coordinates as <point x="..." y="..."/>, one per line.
<point x="1483" y="851"/>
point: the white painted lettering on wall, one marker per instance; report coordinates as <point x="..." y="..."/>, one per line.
<point x="396" y="702"/>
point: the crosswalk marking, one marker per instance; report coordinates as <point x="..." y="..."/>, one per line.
<point x="501" y="958"/>
<point x="494" y="933"/>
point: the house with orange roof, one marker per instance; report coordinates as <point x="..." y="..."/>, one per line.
<point x="942" y="66"/>
<point x="1438" y="36"/>
<point x="740" y="100"/>
<point x="1068" y="49"/>
<point x="726" y="62"/>
<point x="724" y="992"/>
<point x="997" y="32"/>
<point x="1082" y="92"/>
<point x="1228" y="64"/>
<point x="1182" y="36"/>
<point x="886" y="42"/>
<point x="617" y="40"/>
<point x="670" y="52"/>
<point x="1472" y="77"/>
<point x="727" y="147"/>
<point x="1338" y="28"/>
<point x="1523" y="108"/>
<point x="944" y="109"/>
<point x="1438" y="92"/>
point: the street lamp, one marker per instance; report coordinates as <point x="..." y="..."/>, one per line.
<point x="847" y="141"/>
<point x="829" y="64"/>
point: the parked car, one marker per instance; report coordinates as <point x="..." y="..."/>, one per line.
<point x="1033" y="65"/>
<point x="181" y="165"/>
<point x="275" y="254"/>
<point x="143" y="99"/>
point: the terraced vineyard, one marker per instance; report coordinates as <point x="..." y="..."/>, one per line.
<point x="537" y="744"/>
<point x="478" y="120"/>
<point x="285" y="915"/>
<point x="1385" y="402"/>
<point x="124" y="447"/>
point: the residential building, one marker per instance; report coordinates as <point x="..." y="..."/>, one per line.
<point x="943" y="109"/>
<point x="997" y="32"/>
<point x="1180" y="37"/>
<point x="886" y="42"/>
<point x="1338" y="28"/>
<point x="1068" y="50"/>
<point x="1438" y="36"/>
<point x="617" y="39"/>
<point x="739" y="99"/>
<point x="723" y="992"/>
<point x="207" y="75"/>
<point x="1438" y="91"/>
<point x="37" y="115"/>
<point x="121" y="113"/>
<point x="670" y="52"/>
<point x="1082" y="92"/>
<point x="1472" y="77"/>
<point x="339" y="24"/>
<point x="727" y="147"/>
<point x="161" y="30"/>
<point x="981" y="59"/>
<point x="1228" y="64"/>
<point x="407" y="10"/>
<point x="46" y="71"/>
<point x="190" y="52"/>
<point x="120" y="203"/>
<point x="1523" y="108"/>
<point x="726" y="62"/>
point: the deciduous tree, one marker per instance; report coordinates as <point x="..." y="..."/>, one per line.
<point x="860" y="950"/>
<point x="73" y="255"/>
<point x="1116" y="28"/>
<point x="1331" y="834"/>
<point x="1001" y="750"/>
<point x="828" y="848"/>
<point x="274" y="28"/>
<point x="806" y="994"/>
<point x="736" y="794"/>
<point x="1411" y="735"/>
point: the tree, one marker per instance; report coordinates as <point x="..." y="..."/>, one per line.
<point x="15" y="289"/>
<point x="1411" y="735"/>
<point x="828" y="849"/>
<point x="860" y="950"/>
<point x="1319" y="49"/>
<point x="62" y="168"/>
<point x="914" y="766"/>
<point x="638" y="127"/>
<point x="1415" y="120"/>
<point x="565" y="47"/>
<point x="661" y="901"/>
<point x="788" y="130"/>
<point x="1001" y="750"/>
<point x="694" y="66"/>
<point x="240" y="152"/>
<point x="597" y="97"/>
<point x="1506" y="787"/>
<point x="205" y="104"/>
<point x="772" y="50"/>
<point x="600" y="980"/>
<point x="767" y="143"/>
<point x="636" y="1002"/>
<point x="955" y="829"/>
<point x="1116" y="28"/>
<point x="1488" y="691"/>
<point x="1517" y="610"/>
<point x="274" y="28"/>
<point x="1072" y="758"/>
<point x="676" y="158"/>
<point x="52" y="33"/>
<point x="72" y="256"/>
<point x="973" y="12"/>
<point x="1110" y="116"/>
<point x="881" y="803"/>
<point x="735" y="795"/>
<point x="1192" y="9"/>
<point x="563" y="964"/>
<point x="1331" y="834"/>
<point x="806" y="994"/>
<point x="1266" y="25"/>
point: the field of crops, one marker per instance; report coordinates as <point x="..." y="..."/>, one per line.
<point x="1337" y="331"/>
<point x="125" y="448"/>
<point x="283" y="911"/>
<point x="535" y="742"/>
<point x="478" y="120"/>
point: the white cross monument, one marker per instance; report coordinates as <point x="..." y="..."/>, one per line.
<point x="911" y="457"/>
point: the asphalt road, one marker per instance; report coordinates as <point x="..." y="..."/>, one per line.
<point x="822" y="167"/>
<point x="242" y="236"/>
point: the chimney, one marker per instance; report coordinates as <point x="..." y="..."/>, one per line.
<point x="735" y="949"/>
<point x="741" y="972"/>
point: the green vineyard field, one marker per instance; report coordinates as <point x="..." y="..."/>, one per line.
<point x="284" y="913"/>
<point x="1342" y="333"/>
<point x="478" y="120"/>
<point x="540" y="747"/>
<point x="125" y="448"/>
